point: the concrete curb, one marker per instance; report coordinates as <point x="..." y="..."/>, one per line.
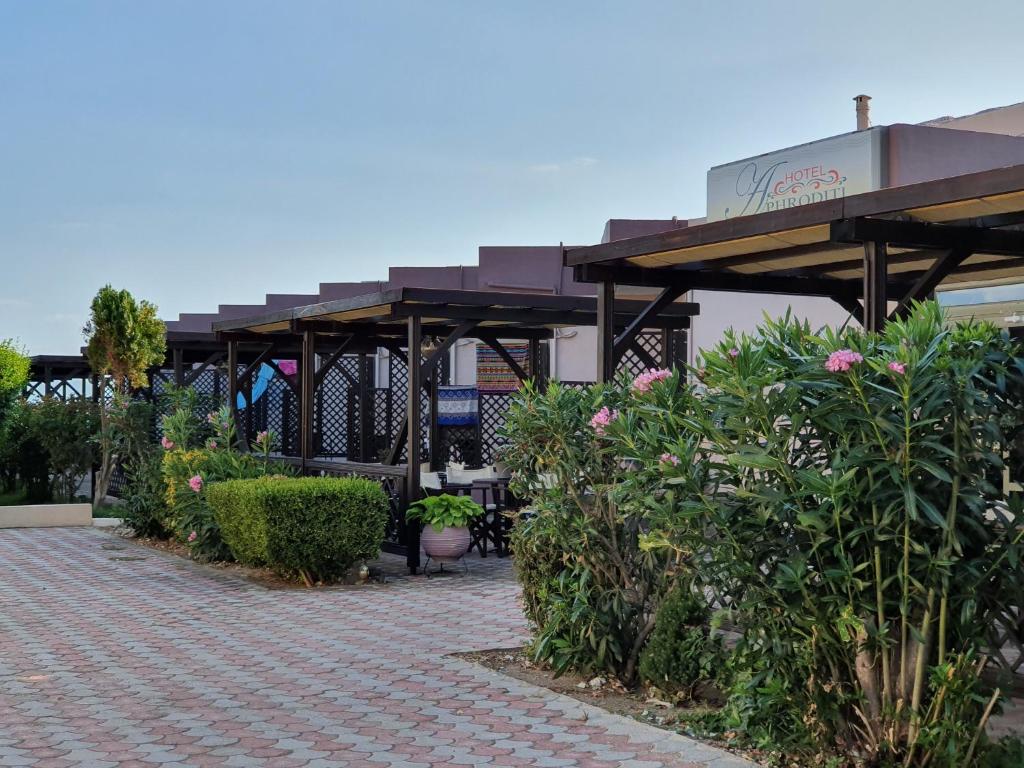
<point x="45" y="515"/>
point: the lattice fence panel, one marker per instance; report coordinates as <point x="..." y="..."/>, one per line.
<point x="333" y="419"/>
<point x="493" y="406"/>
<point x="461" y="444"/>
<point x="632" y="363"/>
<point x="399" y="384"/>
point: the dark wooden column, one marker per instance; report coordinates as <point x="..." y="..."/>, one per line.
<point x="434" y="433"/>
<point x="668" y="353"/>
<point x="177" y="355"/>
<point x="366" y="426"/>
<point x="605" y="331"/>
<point x="233" y="384"/>
<point x="412" y="477"/>
<point x="307" y="395"/>
<point x="537" y="367"/>
<point x="876" y="279"/>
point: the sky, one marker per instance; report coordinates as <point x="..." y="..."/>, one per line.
<point x="202" y="153"/>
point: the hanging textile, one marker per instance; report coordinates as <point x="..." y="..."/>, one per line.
<point x="493" y="374"/>
<point x="457" y="406"/>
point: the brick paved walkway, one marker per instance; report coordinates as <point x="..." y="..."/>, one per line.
<point x="115" y="655"/>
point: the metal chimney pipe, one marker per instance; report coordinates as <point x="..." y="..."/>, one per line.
<point x="863" y="112"/>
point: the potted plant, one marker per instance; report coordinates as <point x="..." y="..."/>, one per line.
<point x="446" y="521"/>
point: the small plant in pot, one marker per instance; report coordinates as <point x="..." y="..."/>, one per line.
<point x="446" y="521"/>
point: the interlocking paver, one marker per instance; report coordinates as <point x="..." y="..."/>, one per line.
<point x="160" y="662"/>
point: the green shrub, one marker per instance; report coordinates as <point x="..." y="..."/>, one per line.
<point x="66" y="431"/>
<point x="145" y="504"/>
<point x="680" y="652"/>
<point x="314" y="527"/>
<point x="24" y="461"/>
<point x="596" y="585"/>
<point x="852" y="521"/>
<point x="538" y="559"/>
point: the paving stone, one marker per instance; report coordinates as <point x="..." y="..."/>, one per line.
<point x="161" y="662"/>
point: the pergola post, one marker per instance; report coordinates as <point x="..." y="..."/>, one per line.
<point x="233" y="382"/>
<point x="605" y="331"/>
<point x="876" y="280"/>
<point x="536" y="353"/>
<point x="307" y="396"/>
<point x="412" y="477"/>
<point x="365" y="410"/>
<point x="177" y="355"/>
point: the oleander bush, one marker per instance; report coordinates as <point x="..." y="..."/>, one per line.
<point x="313" y="527"/>
<point x="837" y="494"/>
<point x="145" y="503"/>
<point x="592" y="586"/>
<point x="187" y="470"/>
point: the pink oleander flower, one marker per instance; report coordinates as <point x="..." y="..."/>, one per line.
<point x="669" y="458"/>
<point x="842" y="359"/>
<point x="261" y="436"/>
<point x="212" y="445"/>
<point x="168" y="445"/>
<point x="602" y="419"/>
<point x="897" y="367"/>
<point x="192" y="537"/>
<point x="734" y="353"/>
<point x="642" y="383"/>
<point x="211" y="417"/>
<point x="196" y="483"/>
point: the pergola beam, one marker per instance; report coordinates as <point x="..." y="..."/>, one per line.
<point x="668" y="295"/>
<point x="920" y="234"/>
<point x="827" y="287"/>
<point x="927" y="282"/>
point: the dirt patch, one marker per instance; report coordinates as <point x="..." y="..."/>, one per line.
<point x="645" y="706"/>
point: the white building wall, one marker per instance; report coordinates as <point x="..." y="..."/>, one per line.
<point x="743" y="312"/>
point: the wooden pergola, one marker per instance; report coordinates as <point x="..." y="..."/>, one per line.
<point x="65" y="377"/>
<point x="420" y="325"/>
<point x="873" y="253"/>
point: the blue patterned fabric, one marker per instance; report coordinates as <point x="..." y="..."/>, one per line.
<point x="456" y="406"/>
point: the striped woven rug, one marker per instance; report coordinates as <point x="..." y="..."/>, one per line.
<point x="493" y="374"/>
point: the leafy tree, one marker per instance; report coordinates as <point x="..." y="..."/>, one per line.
<point x="125" y="338"/>
<point x="65" y="430"/>
<point x="14" y="368"/>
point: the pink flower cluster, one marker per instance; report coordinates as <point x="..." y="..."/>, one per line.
<point x="842" y="360"/>
<point x="669" y="458"/>
<point x="212" y="445"/>
<point x="196" y="483"/>
<point x="734" y="353"/>
<point x="168" y="445"/>
<point x="261" y="436"/>
<point x="192" y="537"/>
<point x="211" y="417"/>
<point x="897" y="367"/>
<point x="602" y="419"/>
<point x="642" y="383"/>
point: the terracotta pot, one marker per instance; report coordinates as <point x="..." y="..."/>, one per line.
<point x="446" y="544"/>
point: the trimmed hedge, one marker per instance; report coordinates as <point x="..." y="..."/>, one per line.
<point x="316" y="527"/>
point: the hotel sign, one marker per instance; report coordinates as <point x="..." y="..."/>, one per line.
<point x="810" y="173"/>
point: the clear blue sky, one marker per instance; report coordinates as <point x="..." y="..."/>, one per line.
<point x="210" y="152"/>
